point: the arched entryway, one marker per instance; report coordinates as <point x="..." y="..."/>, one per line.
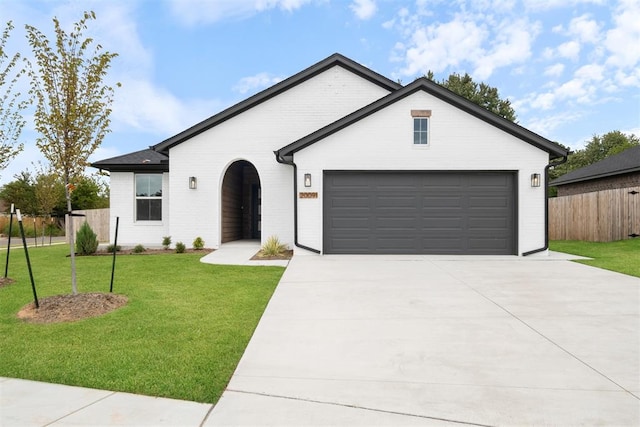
<point x="241" y="202"/>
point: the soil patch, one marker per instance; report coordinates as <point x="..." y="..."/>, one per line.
<point x="149" y="252"/>
<point x="284" y="255"/>
<point x="69" y="308"/>
<point x="6" y="281"/>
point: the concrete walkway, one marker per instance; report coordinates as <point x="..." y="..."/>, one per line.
<point x="393" y="340"/>
<point x="240" y="252"/>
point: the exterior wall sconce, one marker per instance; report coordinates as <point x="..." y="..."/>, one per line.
<point x="307" y="180"/>
<point x="535" y="180"/>
<point x="193" y="182"/>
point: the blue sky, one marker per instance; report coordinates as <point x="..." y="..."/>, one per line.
<point x="571" y="68"/>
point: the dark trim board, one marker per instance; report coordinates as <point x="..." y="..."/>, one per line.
<point x="420" y="212"/>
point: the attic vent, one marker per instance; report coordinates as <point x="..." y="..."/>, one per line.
<point x="420" y="113"/>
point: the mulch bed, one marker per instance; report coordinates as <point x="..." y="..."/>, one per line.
<point x="69" y="308"/>
<point x="284" y="255"/>
<point x="6" y="281"/>
<point x="150" y="252"/>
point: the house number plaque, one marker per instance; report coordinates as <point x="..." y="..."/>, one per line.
<point x="309" y="195"/>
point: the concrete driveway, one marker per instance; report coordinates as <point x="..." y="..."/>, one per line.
<point x="416" y="340"/>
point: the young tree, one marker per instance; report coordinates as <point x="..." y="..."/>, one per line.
<point x="11" y="121"/>
<point x="481" y="94"/>
<point x="72" y="102"/>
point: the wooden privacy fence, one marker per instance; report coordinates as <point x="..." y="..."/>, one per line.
<point x="600" y="216"/>
<point x="98" y="220"/>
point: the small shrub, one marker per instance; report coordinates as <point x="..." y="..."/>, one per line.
<point x="138" y="249"/>
<point x="198" y="243"/>
<point x="86" y="240"/>
<point x="166" y="242"/>
<point x="273" y="247"/>
<point x="180" y="248"/>
<point x="110" y="248"/>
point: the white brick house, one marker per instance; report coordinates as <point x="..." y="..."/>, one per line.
<point x="339" y="159"/>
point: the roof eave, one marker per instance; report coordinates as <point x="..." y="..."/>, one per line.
<point x="559" y="182"/>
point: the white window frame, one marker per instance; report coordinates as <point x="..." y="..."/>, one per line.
<point x="421" y="115"/>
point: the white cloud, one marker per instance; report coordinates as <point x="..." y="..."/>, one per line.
<point x="541" y="5"/>
<point x="364" y="9"/>
<point x="570" y="50"/>
<point x="586" y="29"/>
<point x="623" y="41"/>
<point x="194" y="12"/>
<point x="438" y="46"/>
<point x="554" y="70"/>
<point x="258" y="81"/>
<point x="545" y="125"/>
<point x="512" y="46"/>
<point x="141" y="105"/>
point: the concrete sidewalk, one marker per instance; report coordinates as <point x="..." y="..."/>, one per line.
<point x="29" y="403"/>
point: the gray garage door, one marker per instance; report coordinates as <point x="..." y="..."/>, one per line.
<point x="419" y="212"/>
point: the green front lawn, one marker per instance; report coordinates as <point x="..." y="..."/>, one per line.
<point x="181" y="334"/>
<point x="622" y="256"/>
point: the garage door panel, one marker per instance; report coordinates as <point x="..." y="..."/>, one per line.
<point x="419" y="212"/>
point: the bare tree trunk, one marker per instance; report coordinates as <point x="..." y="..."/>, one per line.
<point x="71" y="239"/>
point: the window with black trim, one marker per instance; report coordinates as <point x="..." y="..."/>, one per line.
<point x="149" y="197"/>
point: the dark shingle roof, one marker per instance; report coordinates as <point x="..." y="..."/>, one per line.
<point x="438" y="91"/>
<point x="139" y="161"/>
<point x="626" y="162"/>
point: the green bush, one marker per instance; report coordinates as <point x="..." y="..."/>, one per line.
<point x="111" y="247"/>
<point x="198" y="243"/>
<point x="180" y="248"/>
<point x="273" y="247"/>
<point x="86" y="240"/>
<point x="166" y="242"/>
<point x="138" y="249"/>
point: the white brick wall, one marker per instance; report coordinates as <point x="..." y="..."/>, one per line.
<point x="253" y="136"/>
<point x="458" y="141"/>
<point x="122" y="203"/>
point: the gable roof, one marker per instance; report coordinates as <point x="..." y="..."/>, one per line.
<point x="424" y="84"/>
<point x="139" y="161"/>
<point x="627" y="161"/>
<point x="265" y="95"/>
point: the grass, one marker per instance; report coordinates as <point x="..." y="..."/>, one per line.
<point x="622" y="256"/>
<point x="181" y="335"/>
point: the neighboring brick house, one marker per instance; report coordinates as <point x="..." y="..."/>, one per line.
<point x="618" y="171"/>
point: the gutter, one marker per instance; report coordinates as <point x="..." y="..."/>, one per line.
<point x="289" y="161"/>
<point x="546" y="207"/>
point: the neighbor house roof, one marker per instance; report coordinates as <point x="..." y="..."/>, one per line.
<point x="440" y="92"/>
<point x="331" y="61"/>
<point x="144" y="160"/>
<point x="625" y="162"/>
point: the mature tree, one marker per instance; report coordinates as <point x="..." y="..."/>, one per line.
<point x="72" y="103"/>
<point x="598" y="148"/>
<point x="21" y="193"/>
<point x="11" y="106"/>
<point x="479" y="93"/>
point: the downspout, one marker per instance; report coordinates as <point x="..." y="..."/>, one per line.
<point x="546" y="207"/>
<point x="281" y="159"/>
